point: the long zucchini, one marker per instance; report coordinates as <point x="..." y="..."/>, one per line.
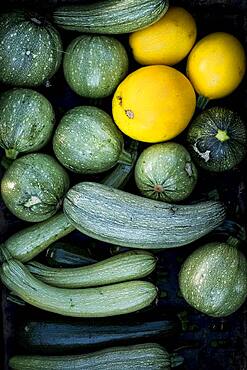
<point x="122" y="267"/>
<point x="129" y="220"/>
<point x="73" y="336"/>
<point x="110" y="16"/>
<point x="149" y="356"/>
<point x="103" y="301"/>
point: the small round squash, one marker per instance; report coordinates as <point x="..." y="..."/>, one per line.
<point x="217" y="139"/>
<point x="94" y="65"/>
<point x="165" y="172"/>
<point x="26" y="122"/>
<point x="213" y="279"/>
<point x="167" y="41"/>
<point x="34" y="186"/>
<point x="153" y="104"/>
<point x="216" y="66"/>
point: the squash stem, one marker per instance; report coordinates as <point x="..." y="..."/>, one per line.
<point x="232" y="241"/>
<point x="202" y="101"/>
<point x="11" y="153"/>
<point x="125" y="157"/>
<point x="176" y="360"/>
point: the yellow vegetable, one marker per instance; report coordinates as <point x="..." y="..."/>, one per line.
<point x="216" y="65"/>
<point x="167" y="41"/>
<point x="153" y="104"/>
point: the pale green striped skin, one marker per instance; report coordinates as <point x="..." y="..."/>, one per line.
<point x="30" y="52"/>
<point x="94" y="65"/>
<point x="110" y="16"/>
<point x="88" y="141"/>
<point x="213" y="279"/>
<point x="125" y="219"/>
<point x="33" y="187"/>
<point x="165" y="172"/>
<point x="26" y="121"/>
<point x="148" y="356"/>
<point x="122" y="267"/>
<point x="109" y="300"/>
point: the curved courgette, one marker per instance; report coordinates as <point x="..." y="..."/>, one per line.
<point x="148" y="356"/>
<point x="129" y="220"/>
<point x="110" y="16"/>
<point x="122" y="267"/>
<point x="105" y="301"/>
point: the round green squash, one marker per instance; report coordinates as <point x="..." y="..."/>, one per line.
<point x="33" y="187"/>
<point x="31" y="49"/>
<point x="88" y="141"/>
<point x="217" y="139"/>
<point x="165" y="172"/>
<point x="26" y="122"/>
<point x="213" y="279"/>
<point x="94" y="65"/>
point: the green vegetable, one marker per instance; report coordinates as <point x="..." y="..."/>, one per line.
<point x="217" y="139"/>
<point x="31" y="49"/>
<point x="87" y="141"/>
<point x="165" y="172"/>
<point x="26" y="123"/>
<point x="33" y="187"/>
<point x="110" y="16"/>
<point x="213" y="279"/>
<point x="129" y="220"/>
<point x="109" y="300"/>
<point x="94" y="65"/>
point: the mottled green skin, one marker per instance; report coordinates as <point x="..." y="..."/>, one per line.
<point x="26" y="121"/>
<point x="95" y="65"/>
<point x="87" y="140"/>
<point x="30" y="52"/>
<point x="209" y="152"/>
<point x="213" y="279"/>
<point x="33" y="187"/>
<point x="110" y="16"/>
<point x="165" y="172"/>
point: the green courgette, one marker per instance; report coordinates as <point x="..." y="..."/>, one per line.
<point x="110" y="300"/>
<point x="129" y="220"/>
<point x="148" y="356"/>
<point x="122" y="267"/>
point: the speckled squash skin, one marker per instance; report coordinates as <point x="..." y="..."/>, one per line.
<point x="110" y="16"/>
<point x="26" y="122"/>
<point x="94" y="65"/>
<point x="165" y="172"/>
<point x="87" y="141"/>
<point x="30" y="49"/>
<point x="213" y="279"/>
<point x="217" y="139"/>
<point x="33" y="187"/>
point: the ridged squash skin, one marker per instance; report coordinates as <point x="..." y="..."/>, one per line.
<point x="110" y="16"/>
<point x="26" y="122"/>
<point x="213" y="279"/>
<point x="167" y="41"/>
<point x="165" y="172"/>
<point x="133" y="221"/>
<point x="31" y="49"/>
<point x="33" y="187"/>
<point x="153" y="104"/>
<point x="87" y="141"/>
<point x="216" y="65"/>
<point x="94" y="65"/>
<point x="217" y="139"/>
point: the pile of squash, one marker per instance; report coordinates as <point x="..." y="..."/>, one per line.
<point x="145" y="58"/>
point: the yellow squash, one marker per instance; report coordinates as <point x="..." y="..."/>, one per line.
<point x="167" y="41"/>
<point x="154" y="104"/>
<point x="216" y="65"/>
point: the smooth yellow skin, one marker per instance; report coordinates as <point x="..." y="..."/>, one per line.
<point x="153" y="104"/>
<point x="167" y="41"/>
<point x="216" y="65"/>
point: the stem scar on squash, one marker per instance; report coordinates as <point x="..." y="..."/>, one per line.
<point x="129" y="113"/>
<point x="158" y="188"/>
